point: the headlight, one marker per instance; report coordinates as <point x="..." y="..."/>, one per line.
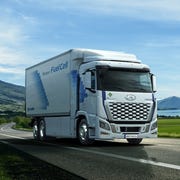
<point x="145" y="128"/>
<point x="154" y="126"/>
<point x="104" y="125"/>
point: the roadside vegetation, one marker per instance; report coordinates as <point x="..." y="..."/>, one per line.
<point x="169" y="127"/>
<point x="22" y="123"/>
<point x="3" y="120"/>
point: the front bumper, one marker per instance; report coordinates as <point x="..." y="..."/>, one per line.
<point x="112" y="131"/>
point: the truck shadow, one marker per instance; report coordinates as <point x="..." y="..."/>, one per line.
<point x="119" y="149"/>
<point x="74" y="142"/>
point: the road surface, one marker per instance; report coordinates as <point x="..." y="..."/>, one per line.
<point x="152" y="159"/>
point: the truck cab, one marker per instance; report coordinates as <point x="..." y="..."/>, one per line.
<point x="117" y="96"/>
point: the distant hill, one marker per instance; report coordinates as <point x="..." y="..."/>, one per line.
<point x="169" y="103"/>
<point x="12" y="97"/>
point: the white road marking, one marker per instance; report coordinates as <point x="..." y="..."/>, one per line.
<point x="161" y="164"/>
<point x="3" y="128"/>
<point x="5" y="142"/>
<point x="7" y="128"/>
<point x="16" y="137"/>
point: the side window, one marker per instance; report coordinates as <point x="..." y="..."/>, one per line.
<point x="93" y="82"/>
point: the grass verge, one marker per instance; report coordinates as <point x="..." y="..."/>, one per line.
<point x="168" y="127"/>
<point x="15" y="164"/>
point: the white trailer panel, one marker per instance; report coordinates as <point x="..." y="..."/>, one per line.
<point x="48" y="87"/>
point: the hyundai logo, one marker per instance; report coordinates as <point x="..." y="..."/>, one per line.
<point x="130" y="97"/>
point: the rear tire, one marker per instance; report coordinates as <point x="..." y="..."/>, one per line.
<point x="134" y="141"/>
<point x="83" y="133"/>
<point x="36" y="130"/>
<point x="42" y="130"/>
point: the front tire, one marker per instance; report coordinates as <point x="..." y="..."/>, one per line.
<point x="83" y="133"/>
<point x="134" y="141"/>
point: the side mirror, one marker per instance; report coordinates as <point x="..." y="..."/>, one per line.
<point x="154" y="86"/>
<point x="87" y="80"/>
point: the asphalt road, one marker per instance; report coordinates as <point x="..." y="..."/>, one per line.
<point x="152" y="159"/>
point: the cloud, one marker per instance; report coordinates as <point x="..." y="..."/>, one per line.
<point x="15" y="38"/>
<point x="13" y="71"/>
<point x="141" y="9"/>
<point x="12" y="35"/>
<point x="28" y="19"/>
<point x="163" y="44"/>
<point x="9" y="56"/>
<point x="165" y="91"/>
<point x="16" y="27"/>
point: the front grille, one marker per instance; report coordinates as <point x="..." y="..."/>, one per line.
<point x="129" y="111"/>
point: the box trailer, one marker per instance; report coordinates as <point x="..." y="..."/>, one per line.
<point x="92" y="95"/>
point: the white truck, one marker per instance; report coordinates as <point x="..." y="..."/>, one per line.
<point x="92" y="95"/>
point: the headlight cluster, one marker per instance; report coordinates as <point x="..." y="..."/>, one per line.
<point x="154" y="126"/>
<point x="104" y="125"/>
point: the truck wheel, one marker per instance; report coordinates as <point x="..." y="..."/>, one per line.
<point x="42" y="130"/>
<point x="83" y="133"/>
<point x="134" y="141"/>
<point x="35" y="130"/>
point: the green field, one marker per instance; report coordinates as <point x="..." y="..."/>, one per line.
<point x="169" y="127"/>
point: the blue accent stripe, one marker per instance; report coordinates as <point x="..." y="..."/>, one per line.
<point x="40" y="89"/>
<point x="74" y="75"/>
<point x="83" y="93"/>
<point x="103" y="97"/>
<point x="103" y="100"/>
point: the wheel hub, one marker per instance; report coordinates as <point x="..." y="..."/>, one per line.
<point x="83" y="132"/>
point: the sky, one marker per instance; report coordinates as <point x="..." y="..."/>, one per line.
<point x="32" y="31"/>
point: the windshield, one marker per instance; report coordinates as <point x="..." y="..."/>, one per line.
<point x="124" y="80"/>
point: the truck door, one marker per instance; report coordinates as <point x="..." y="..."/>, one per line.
<point x="88" y="92"/>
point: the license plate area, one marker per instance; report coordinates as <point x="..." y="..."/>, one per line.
<point x="130" y="136"/>
<point x="130" y="129"/>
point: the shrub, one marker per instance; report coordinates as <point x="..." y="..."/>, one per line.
<point x="3" y="120"/>
<point x="22" y="122"/>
